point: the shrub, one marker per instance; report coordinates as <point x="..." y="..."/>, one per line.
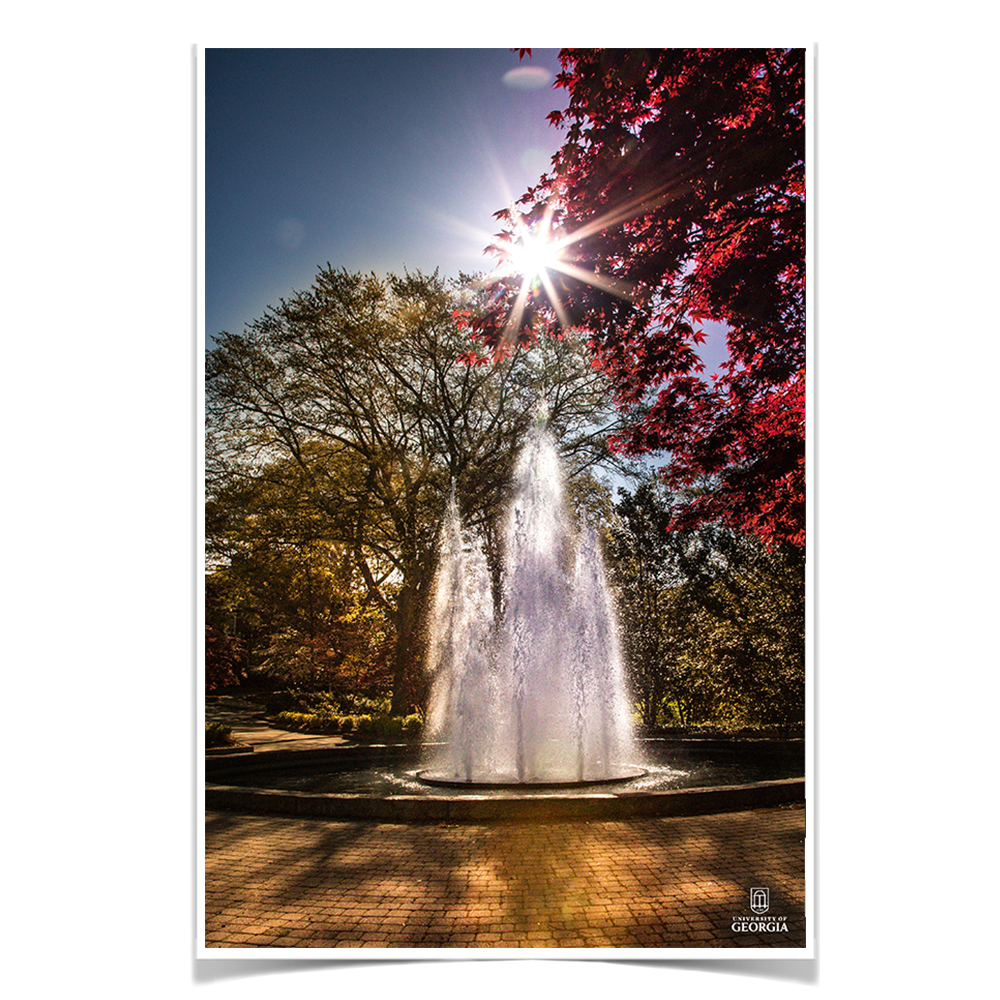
<point x="390" y="728"/>
<point x="295" y="700"/>
<point x="363" y="727"/>
<point x="294" y="720"/>
<point x="412" y="725"/>
<point x="282" y="701"/>
<point x="359" y="705"/>
<point x="218" y="735"/>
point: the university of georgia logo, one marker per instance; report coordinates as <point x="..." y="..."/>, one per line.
<point x="760" y="903"/>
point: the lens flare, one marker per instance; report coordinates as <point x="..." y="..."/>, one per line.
<point x="533" y="254"/>
<point x="533" y="257"/>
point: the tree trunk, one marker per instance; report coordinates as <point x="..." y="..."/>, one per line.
<point x="408" y="681"/>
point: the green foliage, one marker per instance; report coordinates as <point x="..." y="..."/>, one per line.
<point x="359" y="705"/>
<point x="324" y="702"/>
<point x="715" y="622"/>
<point x="218" y="735"/>
<point x="365" y="727"/>
<point x="412" y="724"/>
<point x="755" y="636"/>
<point x="282" y="701"/>
<point x="295" y="720"/>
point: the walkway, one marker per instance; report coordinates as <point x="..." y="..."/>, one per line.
<point x="654" y="883"/>
<point x="245" y="717"/>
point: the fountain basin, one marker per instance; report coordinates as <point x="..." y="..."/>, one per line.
<point x="375" y="783"/>
<point x="615" y="776"/>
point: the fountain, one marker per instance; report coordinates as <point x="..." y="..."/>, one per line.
<point x="528" y="716"/>
<point x="537" y="698"/>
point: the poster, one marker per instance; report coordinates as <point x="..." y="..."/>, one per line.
<point x="581" y="727"/>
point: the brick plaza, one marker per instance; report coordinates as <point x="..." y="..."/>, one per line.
<point x="672" y="882"/>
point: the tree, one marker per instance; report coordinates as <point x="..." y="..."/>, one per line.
<point x="679" y="197"/>
<point x="715" y="621"/>
<point x="754" y="635"/>
<point x="662" y="577"/>
<point x="639" y="550"/>
<point x="350" y="406"/>
<point x="290" y="584"/>
<point x="225" y="658"/>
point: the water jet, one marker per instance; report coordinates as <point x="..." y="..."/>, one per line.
<point x="536" y="698"/>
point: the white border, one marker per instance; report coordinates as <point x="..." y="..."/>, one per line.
<point x="202" y="341"/>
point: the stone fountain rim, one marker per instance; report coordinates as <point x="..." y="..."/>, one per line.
<point x="560" y="804"/>
<point x="476" y="809"/>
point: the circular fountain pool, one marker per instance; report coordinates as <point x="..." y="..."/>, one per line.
<point x="612" y="776"/>
<point x="678" y="777"/>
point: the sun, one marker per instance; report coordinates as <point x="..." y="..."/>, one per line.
<point x="534" y="256"/>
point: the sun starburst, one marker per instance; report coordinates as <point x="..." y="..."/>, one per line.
<point x="534" y="253"/>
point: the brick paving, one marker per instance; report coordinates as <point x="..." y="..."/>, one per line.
<point x="280" y="882"/>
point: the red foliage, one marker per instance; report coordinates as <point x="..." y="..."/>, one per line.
<point x="682" y="178"/>
<point x="225" y="659"/>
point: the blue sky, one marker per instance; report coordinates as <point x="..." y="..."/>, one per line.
<point x="371" y="159"/>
